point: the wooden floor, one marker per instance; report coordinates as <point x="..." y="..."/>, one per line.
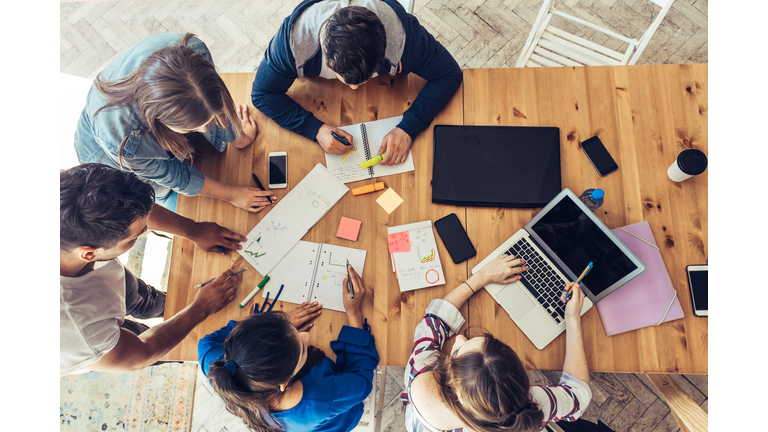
<point x="478" y="33"/>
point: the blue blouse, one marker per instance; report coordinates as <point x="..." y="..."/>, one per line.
<point x="333" y="392"/>
<point x="97" y="139"/>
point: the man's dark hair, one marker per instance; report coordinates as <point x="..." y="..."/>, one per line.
<point x="98" y="204"/>
<point x="355" y="42"/>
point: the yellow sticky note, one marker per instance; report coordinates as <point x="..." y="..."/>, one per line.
<point x="389" y="200"/>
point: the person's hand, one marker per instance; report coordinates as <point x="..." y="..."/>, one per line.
<point x="302" y="316"/>
<point x="397" y="144"/>
<point x="503" y="269"/>
<point x="208" y="235"/>
<point x="251" y="199"/>
<point x="575" y="302"/>
<point x="249" y="128"/>
<point x="212" y="297"/>
<point x="353" y="305"/>
<point x="331" y="145"/>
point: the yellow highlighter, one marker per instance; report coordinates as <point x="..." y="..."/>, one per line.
<point x="372" y="161"/>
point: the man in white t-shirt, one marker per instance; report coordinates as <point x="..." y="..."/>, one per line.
<point x="103" y="211"/>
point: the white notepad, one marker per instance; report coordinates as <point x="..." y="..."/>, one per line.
<point x="314" y="272"/>
<point x="280" y="229"/>
<point x="367" y="138"/>
<point x="420" y="267"/>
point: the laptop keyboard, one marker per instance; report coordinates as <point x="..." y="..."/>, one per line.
<point x="543" y="282"/>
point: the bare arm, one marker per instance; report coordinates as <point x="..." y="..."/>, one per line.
<point x="575" y="358"/>
<point x="246" y="198"/>
<point x="135" y="352"/>
<point x="205" y="235"/>
<point x="500" y="270"/>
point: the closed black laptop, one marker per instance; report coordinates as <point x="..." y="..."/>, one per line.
<point x="496" y="166"/>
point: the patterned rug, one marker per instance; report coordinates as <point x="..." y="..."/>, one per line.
<point x="154" y="399"/>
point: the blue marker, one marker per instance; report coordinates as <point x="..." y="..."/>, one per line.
<point x="222" y="250"/>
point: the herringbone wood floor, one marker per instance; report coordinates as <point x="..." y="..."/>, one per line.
<point x="478" y="33"/>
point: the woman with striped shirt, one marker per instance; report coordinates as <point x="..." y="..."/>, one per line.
<point x="482" y="385"/>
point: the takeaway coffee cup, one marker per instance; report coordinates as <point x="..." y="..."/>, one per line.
<point x="689" y="163"/>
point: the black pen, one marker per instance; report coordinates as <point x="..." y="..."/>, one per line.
<point x="343" y="141"/>
<point x="261" y="186"/>
<point x="349" y="282"/>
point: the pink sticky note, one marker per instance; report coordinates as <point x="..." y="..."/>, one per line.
<point x="399" y="242"/>
<point x="349" y="229"/>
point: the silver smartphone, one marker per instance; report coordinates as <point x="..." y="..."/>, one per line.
<point x="698" y="281"/>
<point x="278" y="170"/>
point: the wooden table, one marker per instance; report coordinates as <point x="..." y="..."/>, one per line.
<point x="644" y="114"/>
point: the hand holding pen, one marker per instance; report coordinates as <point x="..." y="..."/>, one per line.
<point x="330" y="144"/>
<point x="566" y="294"/>
<point x="353" y="305"/>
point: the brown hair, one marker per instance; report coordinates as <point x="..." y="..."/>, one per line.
<point x="355" y="42"/>
<point x="494" y="389"/>
<point x="265" y="352"/>
<point x="175" y="86"/>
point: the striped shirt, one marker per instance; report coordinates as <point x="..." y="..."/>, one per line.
<point x="565" y="401"/>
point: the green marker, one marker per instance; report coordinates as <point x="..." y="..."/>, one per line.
<point x="253" y="293"/>
<point x="372" y="161"/>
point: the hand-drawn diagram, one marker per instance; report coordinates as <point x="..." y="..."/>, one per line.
<point x="337" y="278"/>
<point x="340" y="263"/>
<point x="255" y="254"/>
<point x="279" y="227"/>
<point x="428" y="258"/>
<point x="420" y="236"/>
<point x="348" y="154"/>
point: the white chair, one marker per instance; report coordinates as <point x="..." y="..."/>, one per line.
<point x="550" y="46"/>
<point x="367" y="422"/>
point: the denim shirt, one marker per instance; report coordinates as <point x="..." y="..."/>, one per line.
<point x="97" y="139"/>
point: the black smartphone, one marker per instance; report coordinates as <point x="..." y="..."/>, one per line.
<point x="455" y="238"/>
<point x="698" y="281"/>
<point x="599" y="156"/>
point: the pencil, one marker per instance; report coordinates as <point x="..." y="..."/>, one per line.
<point x="584" y="273"/>
<point x="207" y="282"/>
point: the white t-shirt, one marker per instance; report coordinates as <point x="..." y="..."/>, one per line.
<point x="92" y="309"/>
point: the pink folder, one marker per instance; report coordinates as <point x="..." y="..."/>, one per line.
<point x="643" y="301"/>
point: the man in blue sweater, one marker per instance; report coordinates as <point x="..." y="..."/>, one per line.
<point x="354" y="41"/>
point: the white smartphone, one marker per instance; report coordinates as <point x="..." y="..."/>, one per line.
<point x="278" y="170"/>
<point x="698" y="280"/>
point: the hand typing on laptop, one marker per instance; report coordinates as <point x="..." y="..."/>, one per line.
<point x="502" y="270"/>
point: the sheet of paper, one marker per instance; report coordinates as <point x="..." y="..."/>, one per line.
<point x="313" y="197"/>
<point x="295" y="272"/>
<point x="420" y="267"/>
<point x="389" y="200"/>
<point x="331" y="271"/>
<point x="399" y="242"/>
<point x="271" y="239"/>
<point x="349" y="228"/>
<point x="291" y="218"/>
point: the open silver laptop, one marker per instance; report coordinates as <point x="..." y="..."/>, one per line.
<point x="557" y="245"/>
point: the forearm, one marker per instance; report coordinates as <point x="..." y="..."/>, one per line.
<point x="215" y="189"/>
<point x="575" y="358"/>
<point x="355" y="319"/>
<point x="162" y="338"/>
<point x="464" y="291"/>
<point x="162" y="219"/>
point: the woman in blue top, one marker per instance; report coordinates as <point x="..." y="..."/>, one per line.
<point x="269" y="377"/>
<point x="147" y="103"/>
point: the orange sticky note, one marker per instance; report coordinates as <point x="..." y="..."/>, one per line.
<point x="389" y="200"/>
<point x="399" y="242"/>
<point x="349" y="229"/>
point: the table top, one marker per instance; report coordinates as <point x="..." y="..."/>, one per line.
<point x="644" y="115"/>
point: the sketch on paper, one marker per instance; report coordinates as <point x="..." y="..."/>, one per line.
<point x="279" y="227"/>
<point x="340" y="263"/>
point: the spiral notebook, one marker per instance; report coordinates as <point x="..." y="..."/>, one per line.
<point x="367" y="138"/>
<point x="315" y="272"/>
<point x="419" y="266"/>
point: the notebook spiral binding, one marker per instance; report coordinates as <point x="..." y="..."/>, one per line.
<point x="366" y="148"/>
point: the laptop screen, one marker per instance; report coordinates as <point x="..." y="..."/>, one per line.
<point x="577" y="239"/>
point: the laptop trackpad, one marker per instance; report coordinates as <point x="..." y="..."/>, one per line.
<point x="515" y="301"/>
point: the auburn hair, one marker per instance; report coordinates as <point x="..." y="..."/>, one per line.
<point x="177" y="87"/>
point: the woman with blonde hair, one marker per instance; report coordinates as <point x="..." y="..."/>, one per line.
<point x="147" y="105"/>
<point x="482" y="385"/>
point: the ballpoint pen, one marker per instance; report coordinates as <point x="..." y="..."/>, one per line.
<point x="349" y="282"/>
<point x="261" y="186"/>
<point x="207" y="282"/>
<point x="584" y="273"/>
<point x="343" y="141"/>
